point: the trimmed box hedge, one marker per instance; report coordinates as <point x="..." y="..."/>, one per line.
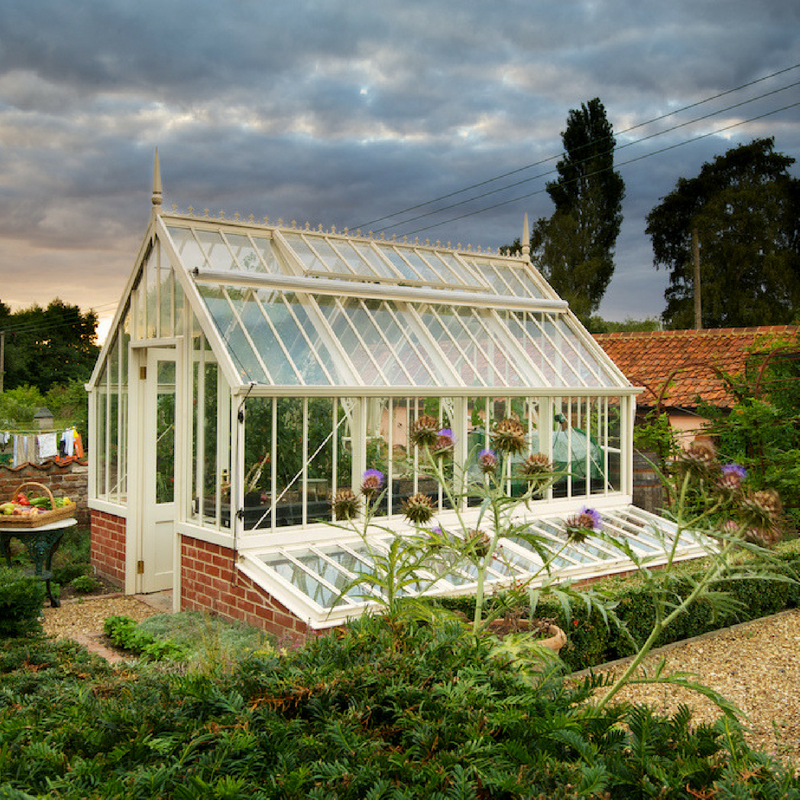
<point x="592" y="642"/>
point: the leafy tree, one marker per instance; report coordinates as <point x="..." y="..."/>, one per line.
<point x="762" y="430"/>
<point x="48" y="346"/>
<point x="574" y="249"/>
<point x="597" y="324"/>
<point x="744" y="206"/>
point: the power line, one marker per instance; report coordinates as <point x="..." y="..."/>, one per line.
<point x="586" y="160"/>
<point x="621" y="164"/>
<point x="554" y="157"/>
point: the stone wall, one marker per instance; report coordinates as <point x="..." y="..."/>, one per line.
<point x="63" y="476"/>
<point x="208" y="583"/>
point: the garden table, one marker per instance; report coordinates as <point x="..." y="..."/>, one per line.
<point x="40" y="542"/>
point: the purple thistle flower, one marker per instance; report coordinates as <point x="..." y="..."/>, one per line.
<point x="735" y="470"/>
<point x="487" y="460"/>
<point x="594" y="515"/>
<point x="372" y="481"/>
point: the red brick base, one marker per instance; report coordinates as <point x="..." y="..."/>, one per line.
<point x="108" y="545"/>
<point x="210" y="583"/>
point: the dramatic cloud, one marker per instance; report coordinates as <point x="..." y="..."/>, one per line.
<point x="345" y="113"/>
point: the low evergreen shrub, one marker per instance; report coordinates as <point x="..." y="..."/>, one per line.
<point x="126" y="634"/>
<point x="378" y="709"/>
<point x="21" y="599"/>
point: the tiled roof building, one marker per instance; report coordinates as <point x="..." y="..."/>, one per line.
<point x="687" y="360"/>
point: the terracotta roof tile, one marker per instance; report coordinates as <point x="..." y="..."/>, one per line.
<point x="688" y="359"/>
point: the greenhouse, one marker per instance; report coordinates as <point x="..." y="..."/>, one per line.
<point x="256" y="370"/>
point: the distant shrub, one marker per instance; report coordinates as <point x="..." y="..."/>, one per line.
<point x="21" y="600"/>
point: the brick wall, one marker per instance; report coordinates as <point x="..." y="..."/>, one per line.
<point x="208" y="583"/>
<point x="108" y="546"/>
<point x="66" y="476"/>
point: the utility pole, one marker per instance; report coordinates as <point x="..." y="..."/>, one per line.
<point x="698" y="319"/>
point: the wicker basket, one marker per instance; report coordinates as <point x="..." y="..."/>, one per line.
<point x="37" y="520"/>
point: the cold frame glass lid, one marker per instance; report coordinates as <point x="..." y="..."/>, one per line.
<point x="324" y="577"/>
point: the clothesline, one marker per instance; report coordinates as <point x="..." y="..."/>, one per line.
<point x="38" y="446"/>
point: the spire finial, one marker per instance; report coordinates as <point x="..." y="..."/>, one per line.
<point x="157" y="194"/>
<point x="526" y="239"/>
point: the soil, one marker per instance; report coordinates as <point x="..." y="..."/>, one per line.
<point x="104" y="588"/>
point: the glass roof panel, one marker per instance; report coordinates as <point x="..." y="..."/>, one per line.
<point x="378" y="265"/>
<point x="333" y="261"/>
<point x="363" y="263"/>
<point x="421" y="267"/>
<point x="309" y="353"/>
<point x="403" y="268"/>
<point x="472" y="330"/>
<point x="187" y="246"/>
<point x="221" y="308"/>
<point x="451" y="349"/>
<point x="247" y="259"/>
<point x="305" y="582"/>
<point x="217" y="253"/>
<point x="363" y="346"/>
<point x="266" y="249"/>
<point x="309" y="259"/>
<point x="405" y="342"/>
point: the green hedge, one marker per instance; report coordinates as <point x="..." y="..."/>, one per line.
<point x="21" y="599"/>
<point x="591" y="641"/>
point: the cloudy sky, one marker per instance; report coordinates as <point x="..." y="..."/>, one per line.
<point x="351" y="112"/>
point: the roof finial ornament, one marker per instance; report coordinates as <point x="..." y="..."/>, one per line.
<point x="157" y="193"/>
<point x="526" y="239"/>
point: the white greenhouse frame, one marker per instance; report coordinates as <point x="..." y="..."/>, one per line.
<point x="294" y="359"/>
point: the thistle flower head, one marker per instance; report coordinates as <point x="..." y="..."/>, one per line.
<point x="444" y="442"/>
<point x="487" y="460"/>
<point x="762" y="512"/>
<point x="732" y="477"/>
<point x="535" y="466"/>
<point x="345" y="504"/>
<point x="583" y="524"/>
<point x="699" y="459"/>
<point x="418" y="508"/>
<point x="509" y="437"/>
<point x="372" y="482"/>
<point x="424" y="431"/>
<point x="478" y="543"/>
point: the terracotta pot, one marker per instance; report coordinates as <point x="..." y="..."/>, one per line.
<point x="555" y="640"/>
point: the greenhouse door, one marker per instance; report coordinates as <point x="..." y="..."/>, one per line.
<point x="158" y="460"/>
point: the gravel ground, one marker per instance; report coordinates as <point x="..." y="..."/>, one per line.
<point x="755" y="666"/>
<point x="82" y="620"/>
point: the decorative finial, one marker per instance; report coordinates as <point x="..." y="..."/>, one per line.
<point x="526" y="239"/>
<point x="157" y="193"/>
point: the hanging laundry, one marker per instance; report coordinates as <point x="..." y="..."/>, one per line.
<point x="24" y="449"/>
<point x="46" y="446"/>
<point x="77" y="444"/>
<point x="66" y="443"/>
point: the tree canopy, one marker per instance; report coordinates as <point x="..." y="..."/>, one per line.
<point x="744" y="207"/>
<point x="48" y="346"/>
<point x="574" y="249"/>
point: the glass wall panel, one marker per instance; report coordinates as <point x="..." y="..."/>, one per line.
<point x="297" y="455"/>
<point x="211" y="452"/>
<point x="110" y="437"/>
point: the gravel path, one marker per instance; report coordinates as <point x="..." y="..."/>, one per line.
<point x="755" y="665"/>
